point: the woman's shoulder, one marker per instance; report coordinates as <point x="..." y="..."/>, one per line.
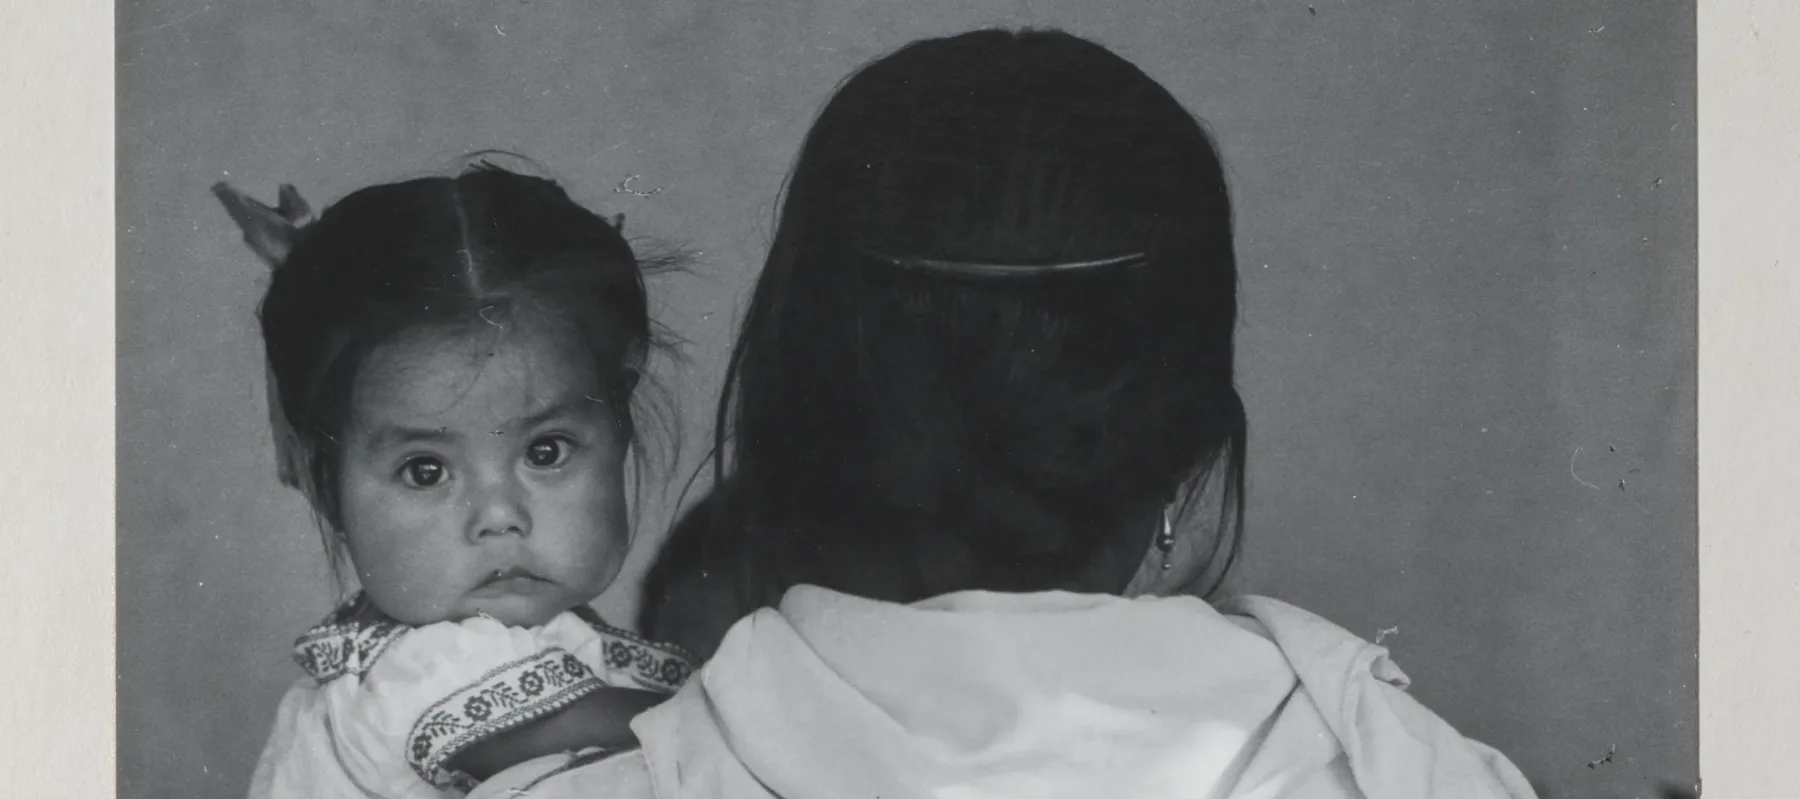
<point x="1320" y="651"/>
<point x="1396" y="745"/>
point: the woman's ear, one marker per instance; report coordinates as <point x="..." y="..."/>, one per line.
<point x="269" y="231"/>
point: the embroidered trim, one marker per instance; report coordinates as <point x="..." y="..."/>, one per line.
<point x="518" y="692"/>
<point x="659" y="667"/>
<point x="345" y="642"/>
<point x="352" y="638"/>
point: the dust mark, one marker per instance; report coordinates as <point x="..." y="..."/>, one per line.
<point x="498" y="30"/>
<point x="624" y="187"/>
<point x="483" y="313"/>
<point x="1596" y="31"/>
<point x="1577" y="476"/>
<point x="1382" y="634"/>
<point x="165" y="25"/>
<point x="1605" y="761"/>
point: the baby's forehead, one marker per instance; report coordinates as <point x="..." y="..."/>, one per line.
<point x="452" y="378"/>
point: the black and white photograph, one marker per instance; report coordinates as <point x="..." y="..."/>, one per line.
<point x="842" y="398"/>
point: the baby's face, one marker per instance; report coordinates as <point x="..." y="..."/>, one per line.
<point x="483" y="472"/>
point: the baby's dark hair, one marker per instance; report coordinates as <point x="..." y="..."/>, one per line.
<point x="481" y="248"/>
<point x="899" y="429"/>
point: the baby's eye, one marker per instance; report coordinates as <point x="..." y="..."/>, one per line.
<point x="549" y="452"/>
<point x="423" y="472"/>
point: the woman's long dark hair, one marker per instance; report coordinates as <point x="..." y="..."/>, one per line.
<point x="898" y="430"/>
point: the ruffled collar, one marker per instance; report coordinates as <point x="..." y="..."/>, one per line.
<point x="351" y="639"/>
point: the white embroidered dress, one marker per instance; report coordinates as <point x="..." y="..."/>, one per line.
<point x="384" y="706"/>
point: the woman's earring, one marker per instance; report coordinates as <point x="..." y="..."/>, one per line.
<point x="1165" y="539"/>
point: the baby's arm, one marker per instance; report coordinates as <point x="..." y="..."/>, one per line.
<point x="600" y="719"/>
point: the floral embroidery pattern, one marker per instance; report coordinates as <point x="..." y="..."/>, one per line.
<point x="659" y="667"/>
<point x="341" y="645"/>
<point x="513" y="694"/>
<point x="353" y="637"/>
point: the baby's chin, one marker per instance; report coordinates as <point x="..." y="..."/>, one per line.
<point x="516" y="611"/>
<point x="510" y="611"/>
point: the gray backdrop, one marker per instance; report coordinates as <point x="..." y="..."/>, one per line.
<point x="1467" y="236"/>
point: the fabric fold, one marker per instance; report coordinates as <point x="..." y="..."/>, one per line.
<point x="977" y="695"/>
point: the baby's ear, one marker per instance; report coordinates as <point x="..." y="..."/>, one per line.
<point x="269" y="231"/>
<point x="631" y="367"/>
<point x="290" y="452"/>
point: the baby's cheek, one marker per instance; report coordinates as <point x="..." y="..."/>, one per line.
<point x="594" y="537"/>
<point x="406" y="559"/>
<point x="414" y="591"/>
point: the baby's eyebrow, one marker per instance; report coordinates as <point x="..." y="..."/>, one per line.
<point x="393" y="435"/>
<point x="568" y="406"/>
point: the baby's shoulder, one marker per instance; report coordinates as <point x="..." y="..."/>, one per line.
<point x="348" y="642"/>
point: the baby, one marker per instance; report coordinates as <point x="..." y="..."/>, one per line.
<point x="451" y="368"/>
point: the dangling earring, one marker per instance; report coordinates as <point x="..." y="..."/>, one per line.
<point x="1165" y="539"/>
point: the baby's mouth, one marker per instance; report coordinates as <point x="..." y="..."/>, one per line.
<point x="516" y="580"/>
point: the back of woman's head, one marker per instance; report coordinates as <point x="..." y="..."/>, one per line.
<point x="488" y="251"/>
<point x="900" y="420"/>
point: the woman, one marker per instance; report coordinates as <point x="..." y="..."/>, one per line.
<point x="984" y="392"/>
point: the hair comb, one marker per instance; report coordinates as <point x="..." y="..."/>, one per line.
<point x="1000" y="271"/>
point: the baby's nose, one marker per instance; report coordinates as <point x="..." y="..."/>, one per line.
<point x="500" y="510"/>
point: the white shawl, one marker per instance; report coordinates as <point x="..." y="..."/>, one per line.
<point x="979" y="695"/>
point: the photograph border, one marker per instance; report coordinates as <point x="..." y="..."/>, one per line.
<point x="57" y="705"/>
